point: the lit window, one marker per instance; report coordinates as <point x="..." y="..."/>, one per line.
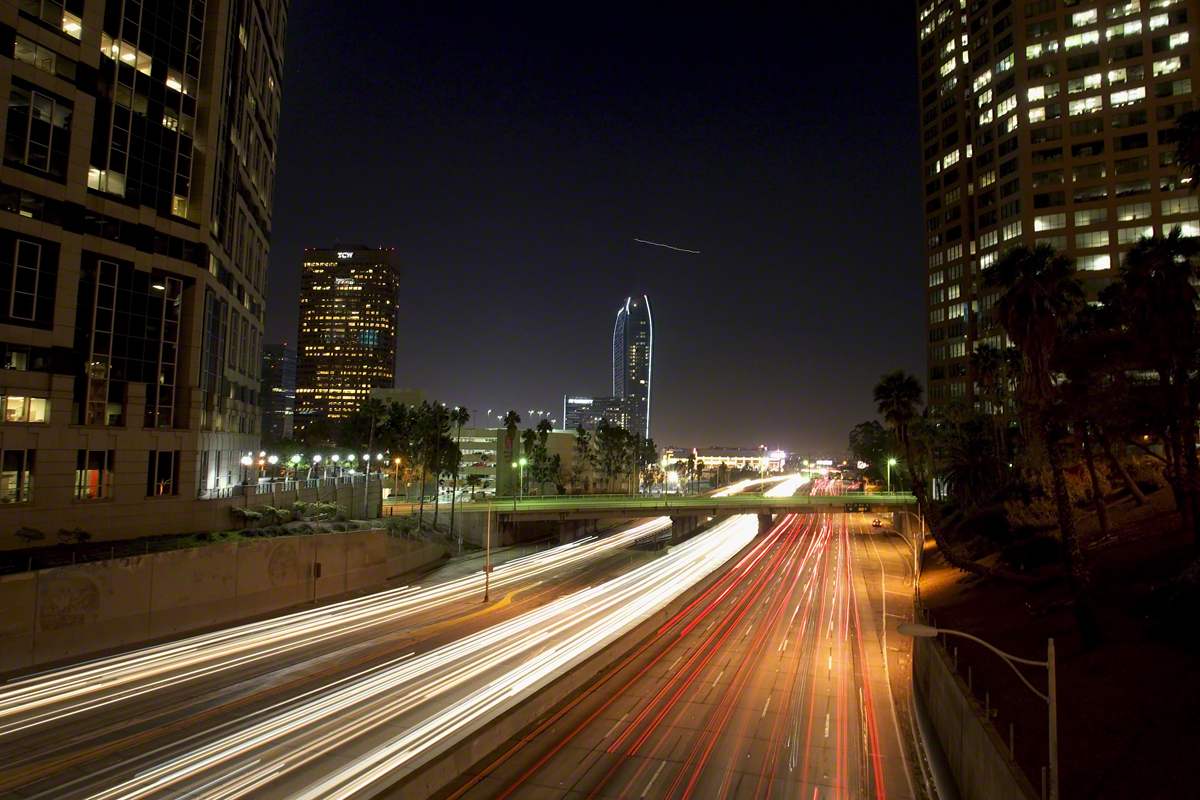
<point x="1179" y="205"/>
<point x="1167" y="66"/>
<point x="988" y="239"/>
<point x="981" y="81"/>
<point x="983" y="99"/>
<point x="986" y="117"/>
<point x="1128" y="97"/>
<point x="1036" y="93"/>
<point x="1041" y="49"/>
<point x="1133" y="211"/>
<point x="1006" y="105"/>
<point x="1082" y="40"/>
<point x="947" y="68"/>
<point x="1186" y="228"/>
<point x="1095" y="263"/>
<point x="1131" y="235"/>
<point x="1007" y="62"/>
<point x="25" y="409"/>
<point x="1133" y="28"/>
<point x="1012" y="230"/>
<point x="951" y="158"/>
<point x="1092" y="216"/>
<point x="1049" y="222"/>
<point x="1083" y="18"/>
<point x="1037" y="114"/>
<point x="987" y="179"/>
<point x="1159" y="21"/>
<point x="1117" y="75"/>
<point x="1009" y="125"/>
<point x="1084" y="84"/>
<point x="1087" y="105"/>
<point x="1178" y="39"/>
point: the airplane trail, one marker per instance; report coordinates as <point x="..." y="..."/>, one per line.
<point x="669" y="247"/>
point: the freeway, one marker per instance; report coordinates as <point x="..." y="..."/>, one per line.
<point x="771" y="685"/>
<point x="62" y="723"/>
<point x="354" y="732"/>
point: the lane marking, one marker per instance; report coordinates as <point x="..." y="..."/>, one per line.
<point x="614" y="727"/>
<point x="826" y="724"/>
<point x="652" y="780"/>
<point x="765" y="706"/>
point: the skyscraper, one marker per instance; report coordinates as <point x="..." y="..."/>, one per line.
<point x="633" y="345"/>
<point x="277" y="399"/>
<point x="135" y="216"/>
<point x="347" y="340"/>
<point x="1043" y="122"/>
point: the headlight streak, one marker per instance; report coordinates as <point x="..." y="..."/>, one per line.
<point x="164" y="666"/>
<point x="575" y="626"/>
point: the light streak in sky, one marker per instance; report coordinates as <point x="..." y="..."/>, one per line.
<point x="669" y="247"/>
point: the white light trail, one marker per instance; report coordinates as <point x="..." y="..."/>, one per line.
<point x="436" y="699"/>
<point x="669" y="247"/>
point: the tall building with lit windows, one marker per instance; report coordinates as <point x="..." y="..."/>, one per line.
<point x="135" y="217"/>
<point x="1047" y="121"/>
<point x="347" y="340"/>
<point x="633" y="346"/>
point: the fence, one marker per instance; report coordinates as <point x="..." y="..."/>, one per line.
<point x="980" y="758"/>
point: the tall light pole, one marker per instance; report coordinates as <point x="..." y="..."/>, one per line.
<point x="891" y="463"/>
<point x="918" y="630"/>
<point x="521" y="486"/>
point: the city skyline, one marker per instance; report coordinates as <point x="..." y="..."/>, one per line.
<point x="527" y="174"/>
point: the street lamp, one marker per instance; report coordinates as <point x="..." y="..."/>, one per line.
<point x="295" y="466"/>
<point x="891" y="463"/>
<point x="521" y="488"/>
<point x="918" y="630"/>
<point x="246" y="462"/>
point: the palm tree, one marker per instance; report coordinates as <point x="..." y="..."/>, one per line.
<point x="897" y="396"/>
<point x="1187" y="147"/>
<point x="459" y="416"/>
<point x="374" y="411"/>
<point x="1039" y="295"/>
<point x="473" y="482"/>
<point x="511" y="420"/>
<point x="440" y="420"/>
<point x="544" y="429"/>
<point x="1158" y="302"/>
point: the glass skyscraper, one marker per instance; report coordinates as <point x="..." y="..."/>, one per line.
<point x="633" y="346"/>
<point x="347" y="340"/>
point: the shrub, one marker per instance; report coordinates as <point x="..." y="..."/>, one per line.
<point x="300" y="509"/>
<point x="1172" y="607"/>
<point x="1031" y="553"/>
<point x="28" y="535"/>
<point x="1147" y="473"/>
<point x="249" y="515"/>
<point x="304" y="529"/>
<point x="77" y="536"/>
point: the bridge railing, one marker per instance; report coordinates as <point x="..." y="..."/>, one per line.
<point x="667" y="502"/>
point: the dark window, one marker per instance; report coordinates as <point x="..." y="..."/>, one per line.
<point x="1047" y="178"/>
<point x="1047" y="155"/>
<point x="1049" y="199"/>
<point x="1007" y="146"/>
<point x="1010" y="209"/>
<point x="1036" y="29"/>
<point x="39" y="131"/>
<point x="1170" y="111"/>
<point x="987" y="219"/>
<point x="1009" y="167"/>
<point x="985" y="138"/>
<point x="1006" y="84"/>
<point x="985" y="158"/>
<point x="1125" y="51"/>
<point x="933" y="186"/>
<point x="1131" y="141"/>
<point x="954" y="233"/>
<point x="987" y="198"/>
<point x="1047" y="70"/>
<point x="1084" y="127"/>
<point x="1125" y="166"/>
<point x="16" y="476"/>
<point x="1047" y="134"/>
<point x="1039" y="7"/>
<point x="949" y="140"/>
<point x="1001" y="26"/>
<point x="1002" y="45"/>
<point x="933" y="205"/>
<point x="1129" y="119"/>
<point x="162" y="473"/>
<point x="1083" y="61"/>
<point x="1011" y="187"/>
<point x="1090" y="194"/>
<point x="1087" y="149"/>
<point x="28" y="274"/>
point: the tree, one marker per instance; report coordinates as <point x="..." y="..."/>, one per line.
<point x="459" y="416"/>
<point x="1038" y="295"/>
<point x="511" y="420"/>
<point x="473" y="482"/>
<point x="583" y="458"/>
<point x="612" y="451"/>
<point x="871" y="444"/>
<point x="373" y="410"/>
<point x="897" y="396"/>
<point x="440" y="431"/>
<point x="1187" y="146"/>
<point x="1157" y="301"/>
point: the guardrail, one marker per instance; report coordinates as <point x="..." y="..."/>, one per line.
<point x="668" y="502"/>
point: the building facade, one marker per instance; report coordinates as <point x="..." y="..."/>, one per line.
<point x="346" y="344"/>
<point x="1047" y="121"/>
<point x="135" y="216"/>
<point x="588" y="412"/>
<point x="633" y="350"/>
<point x="277" y="398"/>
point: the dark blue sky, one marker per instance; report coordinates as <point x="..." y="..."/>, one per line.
<point x="512" y="156"/>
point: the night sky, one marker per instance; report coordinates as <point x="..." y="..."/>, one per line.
<point x="512" y="157"/>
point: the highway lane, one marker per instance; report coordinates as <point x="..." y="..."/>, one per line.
<point x="76" y="718"/>
<point x="775" y="686"/>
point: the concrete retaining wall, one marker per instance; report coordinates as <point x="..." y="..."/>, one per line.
<point x="977" y="756"/>
<point x="70" y="612"/>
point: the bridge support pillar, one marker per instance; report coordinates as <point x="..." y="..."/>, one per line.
<point x="682" y="526"/>
<point x="570" y="530"/>
<point x="765" y="523"/>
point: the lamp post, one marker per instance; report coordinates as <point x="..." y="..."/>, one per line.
<point x="487" y="563"/>
<point x="918" y="630"/>
<point x="521" y="486"/>
<point x="891" y="463"/>
<point x="336" y="458"/>
<point x="296" y="467"/>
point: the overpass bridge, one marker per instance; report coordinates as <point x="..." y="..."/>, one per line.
<point x="686" y="513"/>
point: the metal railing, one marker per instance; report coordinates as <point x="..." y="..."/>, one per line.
<point x="668" y="502"/>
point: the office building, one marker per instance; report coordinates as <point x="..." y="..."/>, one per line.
<point x="1047" y="121"/>
<point x="277" y="398"/>
<point x="587" y="412"/>
<point x="347" y="340"/>
<point x="135" y="216"/>
<point x="633" y="346"/>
